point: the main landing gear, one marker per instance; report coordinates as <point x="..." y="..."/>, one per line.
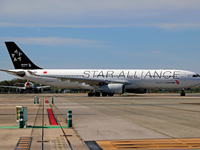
<point x="98" y="94"/>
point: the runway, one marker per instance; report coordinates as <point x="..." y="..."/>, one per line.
<point x="108" y="120"/>
<point x="134" y="117"/>
<point x="146" y="116"/>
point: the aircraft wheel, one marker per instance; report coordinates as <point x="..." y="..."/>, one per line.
<point x="104" y="94"/>
<point x="183" y="92"/>
<point x="90" y="94"/>
<point x="97" y="94"/>
<point x="110" y="94"/>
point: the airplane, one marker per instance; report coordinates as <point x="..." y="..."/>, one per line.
<point x="28" y="86"/>
<point x="105" y="82"/>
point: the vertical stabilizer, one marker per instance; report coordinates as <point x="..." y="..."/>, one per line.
<point x="19" y="59"/>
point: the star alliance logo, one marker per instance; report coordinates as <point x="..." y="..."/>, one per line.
<point x="16" y="56"/>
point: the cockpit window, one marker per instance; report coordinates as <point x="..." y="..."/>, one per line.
<point x="196" y="75"/>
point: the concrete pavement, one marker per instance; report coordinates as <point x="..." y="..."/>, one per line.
<point x="146" y="116"/>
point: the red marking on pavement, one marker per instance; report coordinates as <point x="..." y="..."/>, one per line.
<point x="52" y="119"/>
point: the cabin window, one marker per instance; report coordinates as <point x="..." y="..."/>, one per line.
<point x="196" y="75"/>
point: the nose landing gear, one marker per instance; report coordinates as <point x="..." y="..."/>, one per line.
<point x="182" y="92"/>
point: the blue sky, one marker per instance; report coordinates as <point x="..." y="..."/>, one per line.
<point x="130" y="34"/>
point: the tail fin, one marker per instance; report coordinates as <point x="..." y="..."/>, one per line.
<point x="19" y="59"/>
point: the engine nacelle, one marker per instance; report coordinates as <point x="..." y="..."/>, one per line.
<point x="113" y="88"/>
<point x="140" y="91"/>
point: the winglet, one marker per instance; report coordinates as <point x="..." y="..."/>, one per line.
<point x="19" y="59"/>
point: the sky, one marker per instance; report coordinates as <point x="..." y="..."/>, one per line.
<point x="106" y="34"/>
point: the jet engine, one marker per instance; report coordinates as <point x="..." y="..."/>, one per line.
<point x="113" y="88"/>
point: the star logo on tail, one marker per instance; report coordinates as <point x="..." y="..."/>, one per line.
<point x="16" y="56"/>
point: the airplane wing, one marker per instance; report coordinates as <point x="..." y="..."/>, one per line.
<point x="43" y="87"/>
<point x="89" y="81"/>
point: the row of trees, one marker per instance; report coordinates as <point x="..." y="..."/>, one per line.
<point x="13" y="82"/>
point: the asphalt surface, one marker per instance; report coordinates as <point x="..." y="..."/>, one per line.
<point x="125" y="117"/>
<point x="144" y="116"/>
<point x="53" y="136"/>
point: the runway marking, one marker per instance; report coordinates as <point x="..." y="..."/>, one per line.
<point x="59" y="143"/>
<point x="51" y="116"/>
<point x="191" y="103"/>
<point x="9" y="127"/>
<point x="50" y="127"/>
<point x="189" y="143"/>
<point x="24" y="143"/>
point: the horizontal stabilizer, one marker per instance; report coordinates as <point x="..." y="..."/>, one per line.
<point x="16" y="73"/>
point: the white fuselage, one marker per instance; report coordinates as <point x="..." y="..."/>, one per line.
<point x="137" y="79"/>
